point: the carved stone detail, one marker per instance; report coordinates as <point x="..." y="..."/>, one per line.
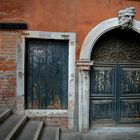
<point x="125" y="17"/>
<point x="84" y="65"/>
<point x="121" y="48"/>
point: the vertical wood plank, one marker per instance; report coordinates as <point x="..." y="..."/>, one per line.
<point x="46" y="74"/>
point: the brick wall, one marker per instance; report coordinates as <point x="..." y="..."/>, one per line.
<point x="53" y="121"/>
<point x="8" y="69"/>
<point x="8" y="44"/>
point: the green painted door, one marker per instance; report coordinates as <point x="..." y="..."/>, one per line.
<point x="46" y="74"/>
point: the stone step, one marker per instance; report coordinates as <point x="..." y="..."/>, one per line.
<point x="50" y="133"/>
<point x="2" y="110"/>
<point x="13" y="133"/>
<point x="113" y="136"/>
<point x="31" y="131"/>
<point x="39" y="130"/>
<point x="7" y="126"/>
<point x="100" y="136"/>
<point x="4" y="114"/>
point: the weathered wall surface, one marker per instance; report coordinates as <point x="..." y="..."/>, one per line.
<point x="78" y="16"/>
<point x="8" y="68"/>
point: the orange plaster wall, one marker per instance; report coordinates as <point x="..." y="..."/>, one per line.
<point x="78" y="16"/>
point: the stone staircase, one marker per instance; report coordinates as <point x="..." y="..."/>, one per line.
<point x="20" y="127"/>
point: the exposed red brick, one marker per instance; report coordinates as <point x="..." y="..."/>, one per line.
<point x="53" y="121"/>
<point x="8" y="41"/>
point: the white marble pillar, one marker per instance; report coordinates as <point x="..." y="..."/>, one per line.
<point x="84" y="92"/>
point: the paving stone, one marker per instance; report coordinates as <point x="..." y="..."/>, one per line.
<point x="95" y="137"/>
<point x="48" y="133"/>
<point x="100" y="136"/>
<point x="76" y="137"/>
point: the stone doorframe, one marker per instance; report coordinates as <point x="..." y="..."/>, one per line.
<point x="85" y="63"/>
<point x="68" y="113"/>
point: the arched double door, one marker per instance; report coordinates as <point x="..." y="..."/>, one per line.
<point x="115" y="78"/>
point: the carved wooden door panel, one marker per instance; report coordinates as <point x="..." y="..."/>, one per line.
<point x="129" y="100"/>
<point x="46" y="74"/>
<point x="102" y="98"/>
<point x="115" y="94"/>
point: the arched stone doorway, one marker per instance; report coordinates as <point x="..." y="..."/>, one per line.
<point x="115" y="79"/>
<point x="86" y="66"/>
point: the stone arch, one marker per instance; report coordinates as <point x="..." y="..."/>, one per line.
<point x="98" y="31"/>
<point x="84" y="64"/>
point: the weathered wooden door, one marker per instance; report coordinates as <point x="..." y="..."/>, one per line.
<point x="46" y="74"/>
<point x="129" y="93"/>
<point x="102" y="97"/>
<point x="115" y="94"/>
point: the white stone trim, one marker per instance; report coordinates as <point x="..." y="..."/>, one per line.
<point x="84" y="65"/>
<point x="71" y="74"/>
<point x="43" y="113"/>
<point x="84" y="90"/>
<point x="99" y="30"/>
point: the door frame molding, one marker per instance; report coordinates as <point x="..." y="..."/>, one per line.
<point x="69" y="113"/>
<point x="85" y="63"/>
